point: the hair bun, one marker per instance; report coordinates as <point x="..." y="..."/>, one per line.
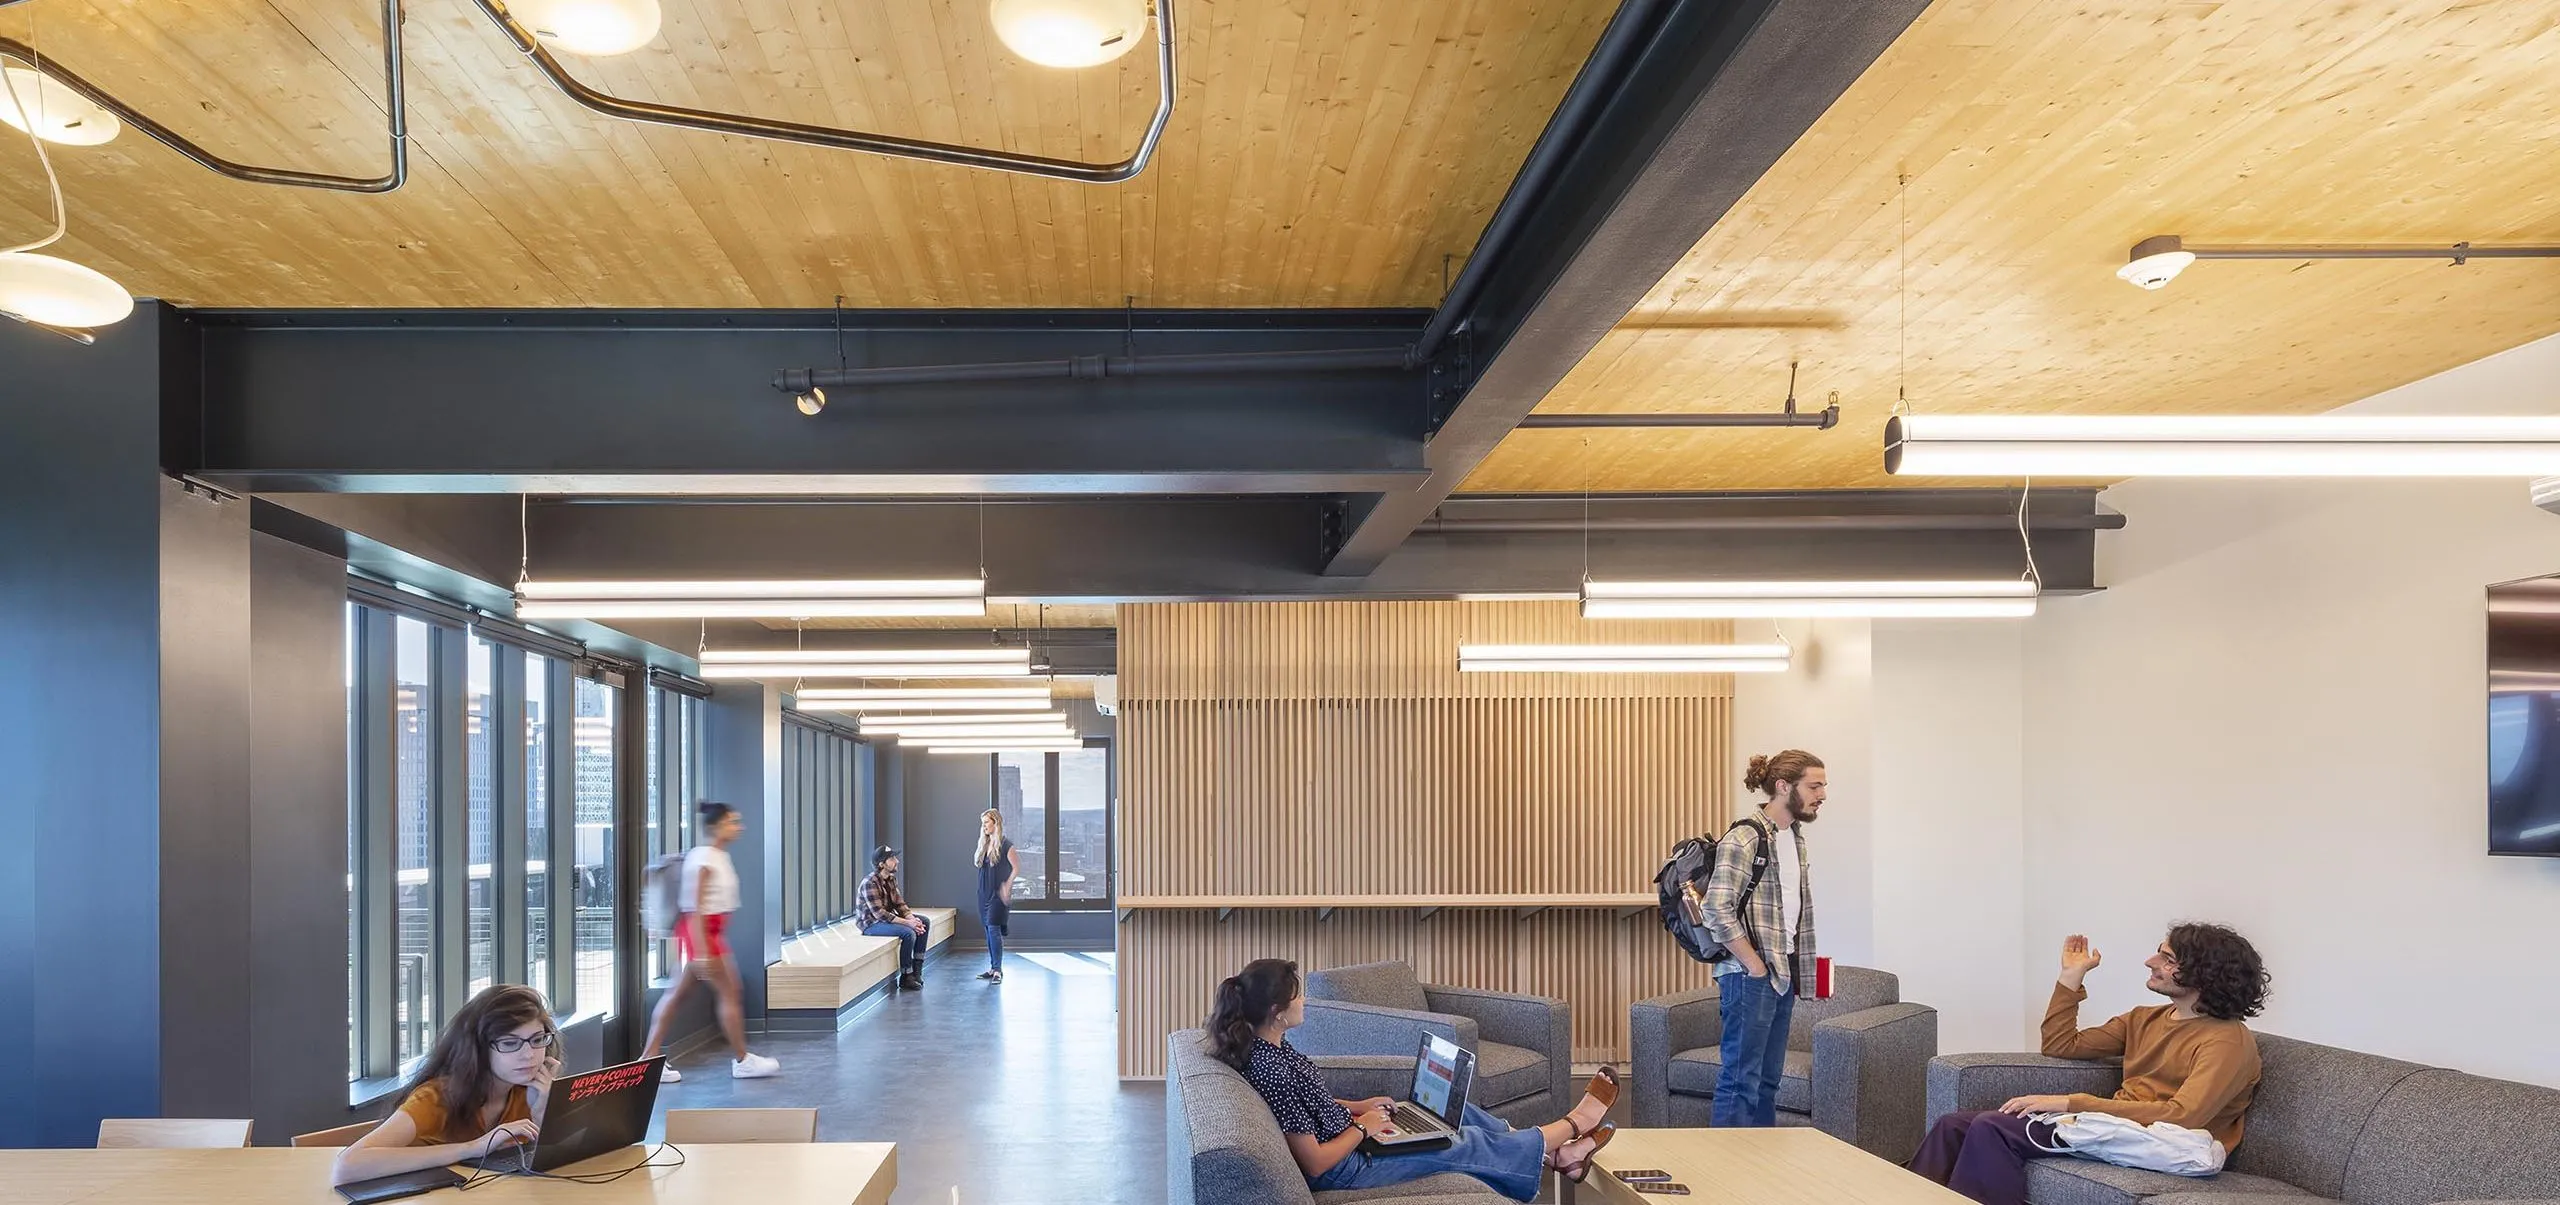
<point x="1756" y="777"/>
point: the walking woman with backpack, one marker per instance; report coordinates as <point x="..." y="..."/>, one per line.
<point x="997" y="863"/>
<point x="706" y="893"/>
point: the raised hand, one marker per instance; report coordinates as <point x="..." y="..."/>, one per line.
<point x="2078" y="959"/>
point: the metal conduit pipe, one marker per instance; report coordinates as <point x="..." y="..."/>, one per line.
<point x="1091" y="368"/>
<point x="394" y="102"/>
<point x="1634" y="24"/>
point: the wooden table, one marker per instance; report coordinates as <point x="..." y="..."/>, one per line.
<point x="815" y="1173"/>
<point x="1790" y="1166"/>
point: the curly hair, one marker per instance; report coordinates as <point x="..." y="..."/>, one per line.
<point x="2229" y="977"/>
<point x="1766" y="771"/>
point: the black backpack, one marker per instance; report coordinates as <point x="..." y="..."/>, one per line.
<point x="1691" y="861"/>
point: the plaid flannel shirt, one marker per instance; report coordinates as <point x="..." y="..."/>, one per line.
<point x="880" y="900"/>
<point x="1763" y="916"/>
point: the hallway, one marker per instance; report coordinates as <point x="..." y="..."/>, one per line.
<point x="1009" y="1095"/>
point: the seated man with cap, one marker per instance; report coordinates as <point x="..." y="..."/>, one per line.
<point x="882" y="912"/>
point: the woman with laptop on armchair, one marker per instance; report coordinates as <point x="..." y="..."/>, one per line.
<point x="477" y="1094"/>
<point x="1248" y="1029"/>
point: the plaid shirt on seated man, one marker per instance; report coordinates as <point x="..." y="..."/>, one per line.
<point x="880" y="902"/>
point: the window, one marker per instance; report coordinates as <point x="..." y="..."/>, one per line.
<point x="537" y="828"/>
<point x="1057" y="808"/>
<point x="1022" y="798"/>
<point x="1083" y="834"/>
<point x="598" y="705"/>
<point x="826" y="789"/>
<point x="414" y="1003"/>
<point x="480" y="827"/>
<point x="675" y="791"/>
<point x="462" y="871"/>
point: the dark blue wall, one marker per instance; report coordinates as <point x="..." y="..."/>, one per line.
<point x="80" y="589"/>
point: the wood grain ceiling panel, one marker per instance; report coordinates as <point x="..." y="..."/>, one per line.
<point x="1322" y="153"/>
<point x="2041" y="141"/>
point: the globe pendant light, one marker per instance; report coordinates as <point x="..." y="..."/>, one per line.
<point x="595" y="28"/>
<point x="57" y="292"/>
<point x="1069" y="33"/>
<point x="59" y="114"/>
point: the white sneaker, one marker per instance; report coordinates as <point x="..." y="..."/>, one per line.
<point x="754" y="1066"/>
<point x="670" y="1075"/>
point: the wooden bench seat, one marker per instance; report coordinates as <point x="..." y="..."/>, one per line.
<point x="824" y="972"/>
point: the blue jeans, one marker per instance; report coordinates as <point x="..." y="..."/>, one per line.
<point x="1754" y="1050"/>
<point x="910" y="943"/>
<point x="1511" y="1162"/>
<point x="995" y="938"/>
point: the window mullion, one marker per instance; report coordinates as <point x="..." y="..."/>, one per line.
<point x="560" y="860"/>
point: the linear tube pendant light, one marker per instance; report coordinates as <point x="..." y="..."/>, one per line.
<point x="933" y="720"/>
<point x="2219" y="445"/>
<point x="975" y="732"/>
<point x="748" y="599"/>
<point x="1623" y="658"/>
<point x="892" y="669"/>
<point x="925" y="698"/>
<point x="732" y="664"/>
<point x="991" y="742"/>
<point x="1809" y="600"/>
<point x="971" y="751"/>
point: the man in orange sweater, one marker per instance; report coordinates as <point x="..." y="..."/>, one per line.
<point x="2190" y="1062"/>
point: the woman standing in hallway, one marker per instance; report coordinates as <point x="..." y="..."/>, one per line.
<point x="708" y="891"/>
<point x="479" y="1092"/>
<point x="998" y="862"/>
<point x="1248" y="1030"/>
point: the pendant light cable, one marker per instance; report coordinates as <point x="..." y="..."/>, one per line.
<point x="1902" y="295"/>
<point x="52" y="182"/>
<point x="524" y="540"/>
<point x="2026" y="541"/>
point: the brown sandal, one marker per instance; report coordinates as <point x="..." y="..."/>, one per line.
<point x="1599" y="1136"/>
<point x="1603" y="1088"/>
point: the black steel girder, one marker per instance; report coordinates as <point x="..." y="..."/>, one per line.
<point x="1683" y="107"/>
<point x="663" y="403"/>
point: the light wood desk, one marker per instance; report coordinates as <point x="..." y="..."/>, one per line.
<point x="1791" y="1166"/>
<point x="816" y="1173"/>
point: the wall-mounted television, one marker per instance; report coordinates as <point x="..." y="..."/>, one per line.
<point x="2524" y="718"/>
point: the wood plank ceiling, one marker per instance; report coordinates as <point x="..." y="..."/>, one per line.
<point x="2041" y="142"/>
<point x="1323" y="153"/>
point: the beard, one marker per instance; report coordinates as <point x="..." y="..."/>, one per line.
<point x="1796" y="809"/>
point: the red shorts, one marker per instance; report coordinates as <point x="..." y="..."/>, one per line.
<point x="712" y="924"/>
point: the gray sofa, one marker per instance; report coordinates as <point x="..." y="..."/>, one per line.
<point x="1221" y="1146"/>
<point x="1364" y="1022"/>
<point x="2326" y="1125"/>
<point x="1855" y="1062"/>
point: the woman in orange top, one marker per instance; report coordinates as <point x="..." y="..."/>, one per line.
<point x="478" y="1093"/>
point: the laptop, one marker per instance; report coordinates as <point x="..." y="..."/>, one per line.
<point x="589" y="1114"/>
<point x="1443" y="1072"/>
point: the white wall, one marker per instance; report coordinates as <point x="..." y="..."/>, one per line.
<point x="2272" y="716"/>
<point x="1820" y="706"/>
<point x="1949" y="877"/>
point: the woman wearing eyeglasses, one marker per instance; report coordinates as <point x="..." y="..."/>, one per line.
<point x="478" y="1092"/>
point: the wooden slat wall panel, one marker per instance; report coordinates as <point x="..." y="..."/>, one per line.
<point x="1333" y="749"/>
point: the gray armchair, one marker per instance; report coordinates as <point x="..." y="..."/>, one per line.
<point x="1363" y="1023"/>
<point x="1856" y="1063"/>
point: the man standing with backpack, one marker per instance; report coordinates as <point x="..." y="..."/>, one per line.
<point x="1758" y="906"/>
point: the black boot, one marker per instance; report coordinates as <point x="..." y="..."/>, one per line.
<point x="913" y="980"/>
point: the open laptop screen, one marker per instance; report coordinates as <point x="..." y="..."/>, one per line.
<point x="1441" y="1070"/>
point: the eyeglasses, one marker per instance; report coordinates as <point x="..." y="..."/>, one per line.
<point x="510" y="1043"/>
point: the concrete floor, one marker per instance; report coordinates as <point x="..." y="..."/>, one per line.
<point x="995" y="1095"/>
